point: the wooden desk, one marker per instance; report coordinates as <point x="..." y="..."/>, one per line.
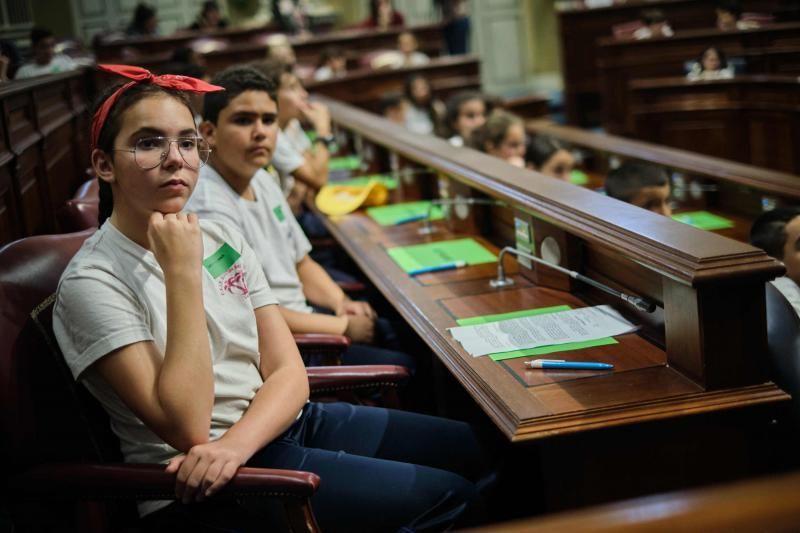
<point x="773" y="49"/>
<point x="752" y="119"/>
<point x="580" y="27"/>
<point x="44" y="150"/>
<point x="447" y="75"/>
<point x="734" y="190"/>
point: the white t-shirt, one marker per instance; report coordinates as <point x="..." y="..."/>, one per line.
<point x="418" y="120"/>
<point x="60" y="63"/>
<point x="267" y="224"/>
<point x="790" y="291"/>
<point x="112" y="294"/>
<point x="456" y="140"/>
<point x="286" y="160"/>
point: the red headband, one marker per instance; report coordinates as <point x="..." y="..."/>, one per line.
<point x="142" y="75"/>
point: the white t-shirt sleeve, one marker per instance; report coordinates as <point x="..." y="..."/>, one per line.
<point x="95" y="314"/>
<point x="286" y="159"/>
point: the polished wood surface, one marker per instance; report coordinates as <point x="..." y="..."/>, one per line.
<point x="733" y="190"/>
<point x="753" y="119"/>
<point x="44" y="150"/>
<point x="773" y="49"/>
<point x="767" y="505"/>
<point x="689" y="367"/>
<point x="447" y="75"/>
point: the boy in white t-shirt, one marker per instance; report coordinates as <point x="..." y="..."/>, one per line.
<point x="240" y="124"/>
<point x="777" y="232"/>
<point x="45" y="60"/>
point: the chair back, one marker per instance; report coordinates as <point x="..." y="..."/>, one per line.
<point x="783" y="337"/>
<point x="45" y="416"/>
<point x="80" y="212"/>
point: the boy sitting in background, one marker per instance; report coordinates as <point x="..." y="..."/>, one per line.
<point x="642" y="185"/>
<point x="777" y="232"/>
<point x="241" y="126"/>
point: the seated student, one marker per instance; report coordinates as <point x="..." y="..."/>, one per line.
<point x="642" y="185"/>
<point x="546" y="155"/>
<point x="406" y="55"/>
<point x="144" y="22"/>
<point x="393" y="106"/>
<point x="424" y="113"/>
<point x="332" y="64"/>
<point x="382" y="16"/>
<point x="291" y="16"/>
<point x="464" y="112"/>
<point x="170" y="324"/>
<point x="730" y="17"/>
<point x="711" y="65"/>
<point x="654" y="24"/>
<point x="210" y="18"/>
<point x="777" y="232"/>
<point x="503" y="136"/>
<point x="241" y="125"/>
<point x="45" y="60"/>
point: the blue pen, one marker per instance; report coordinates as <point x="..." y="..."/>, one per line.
<point x="437" y="268"/>
<point x="410" y="218"/>
<point x="567" y="365"/>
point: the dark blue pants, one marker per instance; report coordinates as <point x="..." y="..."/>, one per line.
<point x="380" y="470"/>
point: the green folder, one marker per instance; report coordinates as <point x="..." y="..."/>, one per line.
<point x="578" y="177"/>
<point x="438" y="253"/>
<point x="704" y="220"/>
<point x="349" y="162"/>
<point x="389" y="215"/>
<point x="388" y="181"/>
<point x="542" y="350"/>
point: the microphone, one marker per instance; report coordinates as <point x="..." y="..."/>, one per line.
<point x="427" y="229"/>
<point x="502" y="281"/>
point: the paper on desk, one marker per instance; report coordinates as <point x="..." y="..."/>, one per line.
<point x="576" y="325"/>
<point x="349" y="162"/>
<point x="436" y="253"/>
<point x="388" y="215"/>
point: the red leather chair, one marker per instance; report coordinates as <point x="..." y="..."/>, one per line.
<point x="63" y="467"/>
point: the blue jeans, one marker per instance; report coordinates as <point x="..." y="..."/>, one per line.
<point x="380" y="470"/>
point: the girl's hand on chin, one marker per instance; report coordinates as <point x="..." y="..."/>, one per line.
<point x="176" y="242"/>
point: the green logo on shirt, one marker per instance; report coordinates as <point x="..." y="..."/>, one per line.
<point x="278" y="210"/>
<point x="221" y="260"/>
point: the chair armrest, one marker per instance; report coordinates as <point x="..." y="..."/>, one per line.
<point x="320" y="349"/>
<point x="327" y="379"/>
<point x="352" y="287"/>
<point x="64" y="481"/>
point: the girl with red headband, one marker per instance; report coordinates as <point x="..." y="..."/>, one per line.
<point x="171" y="325"/>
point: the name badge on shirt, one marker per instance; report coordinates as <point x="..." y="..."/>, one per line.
<point x="278" y="210"/>
<point x="223" y="267"/>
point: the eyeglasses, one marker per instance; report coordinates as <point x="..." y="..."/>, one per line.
<point x="150" y="152"/>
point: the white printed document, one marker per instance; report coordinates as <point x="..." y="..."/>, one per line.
<point x="585" y="324"/>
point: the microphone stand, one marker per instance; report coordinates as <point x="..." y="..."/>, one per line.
<point x="427" y="228"/>
<point x="503" y="281"/>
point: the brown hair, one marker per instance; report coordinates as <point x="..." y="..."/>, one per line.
<point x="493" y="130"/>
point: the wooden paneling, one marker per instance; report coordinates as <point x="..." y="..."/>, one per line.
<point x="752" y="119"/>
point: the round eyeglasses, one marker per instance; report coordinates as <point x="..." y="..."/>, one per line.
<point x="150" y="152"/>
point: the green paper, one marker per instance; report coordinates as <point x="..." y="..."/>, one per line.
<point x="388" y="181"/>
<point x="542" y="350"/>
<point x="389" y="215"/>
<point x="438" y="253"/>
<point x="578" y="177"/>
<point x="704" y="220"/>
<point x="220" y="261"/>
<point x="348" y="162"/>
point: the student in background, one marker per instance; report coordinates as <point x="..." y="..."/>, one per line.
<point x="730" y="17"/>
<point x="45" y="60"/>
<point x="241" y="126"/>
<point x="777" y="232"/>
<point x="144" y="22"/>
<point x="424" y="113"/>
<point x="465" y="111"/>
<point x="643" y="185"/>
<point x="393" y="107"/>
<point x="210" y="18"/>
<point x="546" y="155"/>
<point x="711" y="65"/>
<point x="197" y="369"/>
<point x="406" y="55"/>
<point x="654" y="24"/>
<point x="503" y="136"/>
<point x="382" y="15"/>
<point x="332" y="64"/>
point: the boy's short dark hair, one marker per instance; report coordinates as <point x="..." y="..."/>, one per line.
<point x="39" y="34"/>
<point x="389" y="101"/>
<point x="235" y="80"/>
<point x="625" y="181"/>
<point x="273" y="70"/>
<point x="769" y="230"/>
